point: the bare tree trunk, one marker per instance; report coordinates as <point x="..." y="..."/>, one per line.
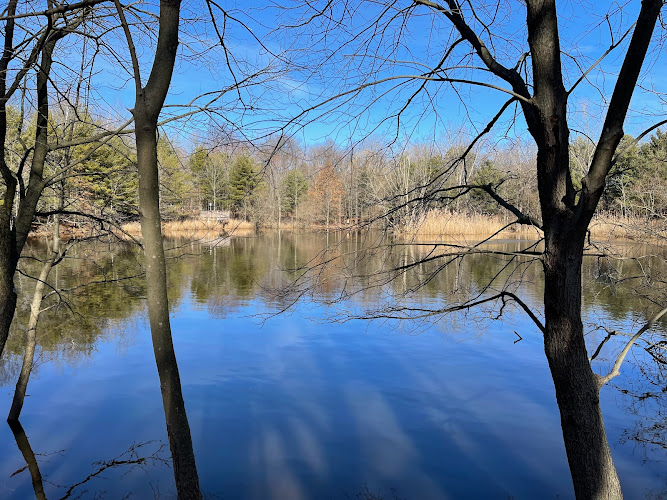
<point x="13" y="234"/>
<point x="30" y="342"/>
<point x="577" y="392"/>
<point x="565" y="222"/>
<point x="148" y="105"/>
<point x="52" y="259"/>
<point x="327" y="209"/>
<point x="178" y="428"/>
<point x="296" y="204"/>
<point x="8" y="257"/>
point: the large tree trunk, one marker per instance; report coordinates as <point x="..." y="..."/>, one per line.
<point x="577" y="391"/>
<point x="565" y="220"/>
<point x="148" y="105"/>
<point x="7" y="260"/>
<point x="178" y="429"/>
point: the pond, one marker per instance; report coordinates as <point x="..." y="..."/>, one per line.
<point x="304" y="405"/>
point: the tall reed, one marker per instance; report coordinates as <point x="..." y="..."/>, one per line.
<point x="437" y="224"/>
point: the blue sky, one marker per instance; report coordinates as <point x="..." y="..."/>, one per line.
<point x="319" y="69"/>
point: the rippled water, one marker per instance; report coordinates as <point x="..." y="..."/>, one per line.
<point x="301" y="406"/>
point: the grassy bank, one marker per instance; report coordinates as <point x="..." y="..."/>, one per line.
<point x="434" y="225"/>
<point x="197" y="228"/>
<point x="438" y="224"/>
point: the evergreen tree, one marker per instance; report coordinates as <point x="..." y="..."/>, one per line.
<point x="487" y="174"/>
<point x="649" y="189"/>
<point x="242" y="183"/>
<point x="622" y="177"/>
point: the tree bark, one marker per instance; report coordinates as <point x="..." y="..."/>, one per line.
<point x="577" y="392"/>
<point x="7" y="257"/>
<point x="149" y="102"/>
<point x="178" y="428"/>
<point x="565" y="222"/>
<point x="30" y="342"/>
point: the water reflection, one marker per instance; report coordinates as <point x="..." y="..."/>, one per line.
<point x="138" y="455"/>
<point x="296" y="410"/>
<point x="29" y="457"/>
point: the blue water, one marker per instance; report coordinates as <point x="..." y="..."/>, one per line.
<point x="291" y="408"/>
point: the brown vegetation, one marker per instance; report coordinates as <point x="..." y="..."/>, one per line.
<point x="446" y="224"/>
<point x="197" y="228"/>
<point x="443" y="223"/>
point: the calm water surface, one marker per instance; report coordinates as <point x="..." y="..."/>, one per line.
<point x="301" y="406"/>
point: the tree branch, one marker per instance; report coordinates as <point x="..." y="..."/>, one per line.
<point x="616" y="369"/>
<point x="453" y="13"/>
<point x="425" y="313"/>
<point x="605" y="54"/>
<point x="60" y="9"/>
<point x="593" y="183"/>
<point x="522" y="218"/>
<point x="130" y="45"/>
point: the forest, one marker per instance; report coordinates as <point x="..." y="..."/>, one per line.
<point x="278" y="183"/>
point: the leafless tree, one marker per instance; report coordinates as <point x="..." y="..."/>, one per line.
<point x="148" y="105"/>
<point x="483" y="46"/>
<point x="33" y="41"/>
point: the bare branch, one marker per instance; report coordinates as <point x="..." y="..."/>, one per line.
<point x="637" y="139"/>
<point x="101" y="220"/>
<point x="60" y="9"/>
<point x="511" y="76"/>
<point x="600" y="59"/>
<point x="418" y="313"/>
<point x="612" y="131"/>
<point x="616" y="369"/>
<point x="130" y="45"/>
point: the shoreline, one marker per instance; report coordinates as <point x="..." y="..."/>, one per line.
<point x="433" y="226"/>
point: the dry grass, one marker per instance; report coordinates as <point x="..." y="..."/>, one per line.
<point x="438" y="224"/>
<point x="606" y="227"/>
<point x="197" y="228"/>
<point x="443" y="224"/>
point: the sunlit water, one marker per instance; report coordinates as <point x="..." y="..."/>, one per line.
<point x="297" y="406"/>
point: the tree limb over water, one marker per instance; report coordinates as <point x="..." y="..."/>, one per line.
<point x="567" y="204"/>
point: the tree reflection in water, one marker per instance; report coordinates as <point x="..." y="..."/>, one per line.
<point x="137" y="455"/>
<point x="244" y="396"/>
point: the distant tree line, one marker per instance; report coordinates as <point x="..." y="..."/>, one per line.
<point x="282" y="181"/>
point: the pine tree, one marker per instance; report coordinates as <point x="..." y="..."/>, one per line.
<point x="243" y="181"/>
